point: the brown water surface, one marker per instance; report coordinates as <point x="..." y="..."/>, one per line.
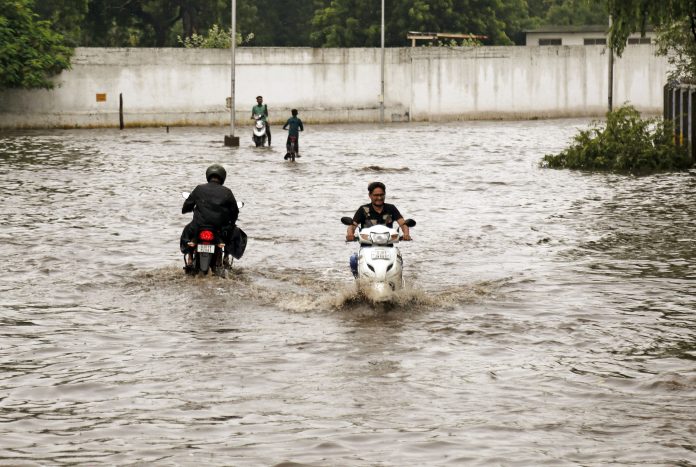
<point x="549" y="316"/>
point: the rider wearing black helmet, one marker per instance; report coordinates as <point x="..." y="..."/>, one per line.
<point x="213" y="205"/>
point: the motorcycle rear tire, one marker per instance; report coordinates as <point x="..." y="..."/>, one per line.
<point x="205" y="265"/>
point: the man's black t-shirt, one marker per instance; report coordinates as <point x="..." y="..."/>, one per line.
<point x="366" y="216"/>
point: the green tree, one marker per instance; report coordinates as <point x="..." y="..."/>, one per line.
<point x="577" y="13"/>
<point x="677" y="43"/>
<point x="629" y="16"/>
<point x="356" y="23"/>
<point x="158" y="23"/>
<point x="283" y="23"/>
<point x="346" y="23"/>
<point x="30" y="52"/>
<point x="66" y="17"/>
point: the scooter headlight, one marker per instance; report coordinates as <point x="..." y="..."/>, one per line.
<point x="381" y="238"/>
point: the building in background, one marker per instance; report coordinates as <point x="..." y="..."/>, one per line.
<point x="579" y="35"/>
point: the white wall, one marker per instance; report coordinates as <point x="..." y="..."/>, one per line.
<point x="189" y="87"/>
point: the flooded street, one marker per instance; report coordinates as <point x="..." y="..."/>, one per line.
<point x="549" y="317"/>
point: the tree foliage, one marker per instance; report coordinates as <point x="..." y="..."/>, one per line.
<point x="676" y="42"/>
<point x="216" y="38"/>
<point x="338" y="23"/>
<point x="629" y="16"/>
<point x="357" y="23"/>
<point x="577" y="12"/>
<point x="30" y="52"/>
<point x="626" y="144"/>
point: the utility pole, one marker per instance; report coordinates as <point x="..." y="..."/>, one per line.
<point x="611" y="70"/>
<point x="232" y="140"/>
<point x="381" y="93"/>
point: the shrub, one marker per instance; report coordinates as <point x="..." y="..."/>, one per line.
<point x="217" y="38"/>
<point x="626" y="144"/>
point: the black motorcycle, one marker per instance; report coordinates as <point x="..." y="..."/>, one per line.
<point x="208" y="253"/>
<point x="208" y="247"/>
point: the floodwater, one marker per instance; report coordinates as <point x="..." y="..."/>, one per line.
<point x="549" y="316"/>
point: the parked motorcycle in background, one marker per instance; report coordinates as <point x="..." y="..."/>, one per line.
<point x="259" y="131"/>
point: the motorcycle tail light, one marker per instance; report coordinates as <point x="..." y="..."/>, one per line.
<point x="206" y="235"/>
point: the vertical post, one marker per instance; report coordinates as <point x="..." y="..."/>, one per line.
<point x="685" y="116"/>
<point x="692" y="98"/>
<point x="120" y="111"/>
<point x="611" y="74"/>
<point x="689" y="120"/>
<point x="232" y="140"/>
<point x="677" y="116"/>
<point x="381" y="92"/>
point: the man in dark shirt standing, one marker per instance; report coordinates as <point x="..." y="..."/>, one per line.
<point x="374" y="213"/>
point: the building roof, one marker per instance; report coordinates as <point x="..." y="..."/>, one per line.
<point x="570" y="29"/>
<point x="575" y="29"/>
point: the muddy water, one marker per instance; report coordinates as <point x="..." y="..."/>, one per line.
<point x="549" y="317"/>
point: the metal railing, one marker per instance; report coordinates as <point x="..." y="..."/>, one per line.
<point x="680" y="108"/>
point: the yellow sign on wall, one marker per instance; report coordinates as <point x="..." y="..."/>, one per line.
<point x="101" y="97"/>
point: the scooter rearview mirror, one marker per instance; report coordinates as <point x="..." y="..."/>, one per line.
<point x="346" y="220"/>
<point x="410" y="223"/>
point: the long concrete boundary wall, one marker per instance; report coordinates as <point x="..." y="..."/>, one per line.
<point x="190" y="86"/>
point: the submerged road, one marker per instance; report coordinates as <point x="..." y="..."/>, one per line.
<point x="549" y="316"/>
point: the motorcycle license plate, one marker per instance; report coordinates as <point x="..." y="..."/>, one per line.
<point x="380" y="254"/>
<point x="206" y="248"/>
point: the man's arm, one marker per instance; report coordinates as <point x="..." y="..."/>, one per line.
<point x="234" y="210"/>
<point x="189" y="203"/>
<point x="404" y="229"/>
<point x="358" y="219"/>
<point x="350" y="233"/>
<point x="301" y="127"/>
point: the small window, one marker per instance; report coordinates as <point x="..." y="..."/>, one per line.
<point x="594" y="41"/>
<point x="639" y="40"/>
<point x="550" y="41"/>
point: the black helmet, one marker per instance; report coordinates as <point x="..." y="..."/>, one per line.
<point x="218" y="171"/>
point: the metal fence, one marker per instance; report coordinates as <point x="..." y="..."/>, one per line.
<point x="680" y="108"/>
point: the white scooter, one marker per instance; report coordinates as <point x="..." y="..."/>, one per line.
<point x="380" y="271"/>
<point x="259" y="135"/>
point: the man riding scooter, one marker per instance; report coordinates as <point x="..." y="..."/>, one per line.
<point x="375" y="213"/>
<point x="261" y="110"/>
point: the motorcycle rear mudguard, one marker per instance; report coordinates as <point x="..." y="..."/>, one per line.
<point x="204" y="262"/>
